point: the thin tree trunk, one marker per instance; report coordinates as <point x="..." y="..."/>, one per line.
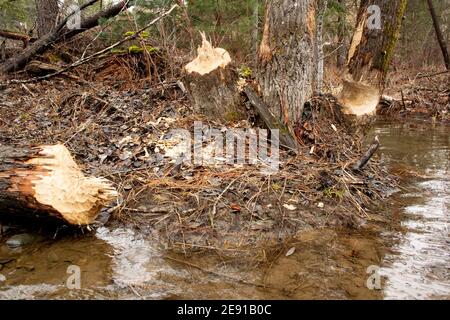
<point x="255" y="31"/>
<point x="322" y="7"/>
<point x="342" y="50"/>
<point x="47" y="15"/>
<point x="286" y="58"/>
<point x="439" y="35"/>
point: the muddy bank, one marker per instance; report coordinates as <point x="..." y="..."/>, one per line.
<point x="410" y="247"/>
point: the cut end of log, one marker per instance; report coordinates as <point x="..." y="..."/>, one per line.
<point x="208" y="58"/>
<point x="52" y="182"/>
<point x="359" y="99"/>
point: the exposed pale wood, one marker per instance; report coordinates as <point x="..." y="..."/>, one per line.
<point x="359" y="99"/>
<point x="45" y="182"/>
<point x="212" y="83"/>
<point x="370" y="54"/>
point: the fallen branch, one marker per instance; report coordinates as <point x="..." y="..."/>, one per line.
<point x="270" y="120"/>
<point x="19" y="60"/>
<point x="368" y="155"/>
<point x="99" y="53"/>
<point x="15" y="36"/>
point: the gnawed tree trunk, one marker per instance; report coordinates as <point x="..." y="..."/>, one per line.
<point x="45" y="182"/>
<point x="47" y="15"/>
<point x="286" y="58"/>
<point x="439" y="35"/>
<point x="212" y="83"/>
<point x="377" y="31"/>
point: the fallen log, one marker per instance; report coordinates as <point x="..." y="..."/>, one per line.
<point x="45" y="182"/>
<point x="15" y="36"/>
<point x="286" y="139"/>
<point x="212" y="83"/>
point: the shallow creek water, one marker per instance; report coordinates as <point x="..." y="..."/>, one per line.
<point x="411" y="255"/>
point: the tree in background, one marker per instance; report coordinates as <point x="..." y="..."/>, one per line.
<point x="439" y="35"/>
<point x="47" y="16"/>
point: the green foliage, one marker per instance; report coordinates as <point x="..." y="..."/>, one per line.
<point x="333" y="193"/>
<point x="14" y="11"/>
<point x="229" y="23"/>
<point x="135" y="49"/>
<point x="245" y="72"/>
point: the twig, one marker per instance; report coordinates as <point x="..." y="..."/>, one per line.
<point x="99" y="53"/>
<point x="368" y="155"/>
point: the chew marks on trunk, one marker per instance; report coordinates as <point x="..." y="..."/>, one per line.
<point x="45" y="182"/>
<point x="212" y="83"/>
<point x="370" y="54"/>
<point x="286" y="58"/>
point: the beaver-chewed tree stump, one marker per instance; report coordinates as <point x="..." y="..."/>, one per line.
<point x="45" y="182"/>
<point x="212" y="83"/>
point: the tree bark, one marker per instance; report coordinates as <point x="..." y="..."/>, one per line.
<point x="372" y="48"/>
<point x="47" y="16"/>
<point x="342" y="49"/>
<point x="322" y="7"/>
<point x="45" y="182"/>
<point x="286" y="58"/>
<point x="370" y="54"/>
<point x="212" y="84"/>
<point x="439" y="35"/>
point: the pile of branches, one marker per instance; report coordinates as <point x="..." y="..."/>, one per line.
<point x="422" y="95"/>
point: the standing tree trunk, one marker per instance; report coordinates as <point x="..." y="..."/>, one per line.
<point x="377" y="31"/>
<point x="286" y="58"/>
<point x="255" y="31"/>
<point x="439" y="35"/>
<point x="322" y="7"/>
<point x="212" y="83"/>
<point x="342" y="49"/>
<point x="47" y="15"/>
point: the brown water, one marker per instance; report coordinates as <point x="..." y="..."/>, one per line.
<point x="412" y="252"/>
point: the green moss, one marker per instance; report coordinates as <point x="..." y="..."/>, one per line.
<point x="232" y="116"/>
<point x="151" y="49"/>
<point x="54" y="58"/>
<point x="128" y="34"/>
<point x="393" y="34"/>
<point x="143" y="34"/>
<point x="135" y="49"/>
<point x="333" y="193"/>
<point x="245" y="72"/>
<point x="117" y="51"/>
